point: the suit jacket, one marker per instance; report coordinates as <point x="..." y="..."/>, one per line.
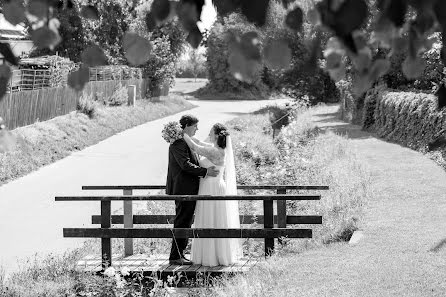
<point x="183" y="173"/>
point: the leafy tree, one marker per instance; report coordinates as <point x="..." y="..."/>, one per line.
<point x="194" y="66"/>
<point x="71" y="30"/>
<point x="399" y="25"/>
<point x="114" y="19"/>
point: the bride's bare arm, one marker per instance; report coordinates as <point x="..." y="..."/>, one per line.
<point x="207" y="151"/>
<point x="202" y="143"/>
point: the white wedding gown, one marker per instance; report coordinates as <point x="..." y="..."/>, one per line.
<point x="215" y="214"/>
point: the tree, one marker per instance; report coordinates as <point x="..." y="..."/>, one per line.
<point x="345" y="20"/>
<point x="72" y="33"/>
<point x="114" y="19"/>
<point x="193" y="65"/>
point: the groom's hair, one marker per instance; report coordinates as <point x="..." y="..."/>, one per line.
<point x="188" y="120"/>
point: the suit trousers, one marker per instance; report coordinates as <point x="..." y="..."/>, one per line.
<point x="184" y="217"/>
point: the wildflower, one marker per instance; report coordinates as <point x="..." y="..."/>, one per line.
<point x="125" y="271"/>
<point x="170" y="279"/>
<point x="110" y="271"/>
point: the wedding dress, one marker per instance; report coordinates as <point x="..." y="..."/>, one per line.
<point x="217" y="214"/>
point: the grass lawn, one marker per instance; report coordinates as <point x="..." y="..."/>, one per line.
<point x="46" y="142"/>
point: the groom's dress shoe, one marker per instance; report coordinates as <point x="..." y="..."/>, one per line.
<point x="182" y="261"/>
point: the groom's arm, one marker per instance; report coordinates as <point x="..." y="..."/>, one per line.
<point x="181" y="155"/>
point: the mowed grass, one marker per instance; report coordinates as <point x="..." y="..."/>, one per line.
<point x="46" y="142"/>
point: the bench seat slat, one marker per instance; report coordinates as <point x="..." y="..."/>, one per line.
<point x="186" y="232"/>
<point x="244" y="219"/>
<point x="189" y="197"/>
<point x="240" y="187"/>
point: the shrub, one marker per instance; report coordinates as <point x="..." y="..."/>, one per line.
<point x="409" y="118"/>
<point x="120" y="96"/>
<point x="370" y="101"/>
<point x="87" y="106"/>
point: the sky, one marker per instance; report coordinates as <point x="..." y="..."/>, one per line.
<point x="208" y="16"/>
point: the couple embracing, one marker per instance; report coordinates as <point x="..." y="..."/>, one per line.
<point x="203" y="168"/>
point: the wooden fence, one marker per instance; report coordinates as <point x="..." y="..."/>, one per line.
<point x="31" y="98"/>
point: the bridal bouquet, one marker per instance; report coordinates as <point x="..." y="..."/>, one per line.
<point x="172" y="131"/>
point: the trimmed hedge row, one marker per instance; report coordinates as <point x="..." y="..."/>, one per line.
<point x="408" y="118"/>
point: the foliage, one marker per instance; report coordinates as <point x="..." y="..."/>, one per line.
<point x="160" y="68"/>
<point x="167" y="46"/>
<point x="194" y="66"/>
<point x="218" y="51"/>
<point x="108" y="31"/>
<point x="302" y="155"/>
<point x="122" y="283"/>
<point x="170" y="29"/>
<point x="87" y="106"/>
<point x="120" y="96"/>
<point x="297" y="80"/>
<point x="431" y="76"/>
<point x="370" y="102"/>
<point x="73" y="35"/>
<point x="409" y="118"/>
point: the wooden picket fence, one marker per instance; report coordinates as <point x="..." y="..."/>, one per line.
<point x="31" y="95"/>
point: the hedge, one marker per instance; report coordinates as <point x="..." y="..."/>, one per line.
<point x="408" y="118"/>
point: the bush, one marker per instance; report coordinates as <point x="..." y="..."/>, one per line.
<point x="120" y="96"/>
<point x="86" y="105"/>
<point x="370" y="101"/>
<point x="409" y="118"/>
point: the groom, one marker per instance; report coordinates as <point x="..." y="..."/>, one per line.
<point x="183" y="178"/>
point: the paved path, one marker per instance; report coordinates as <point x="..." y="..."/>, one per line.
<point x="31" y="221"/>
<point x="403" y="251"/>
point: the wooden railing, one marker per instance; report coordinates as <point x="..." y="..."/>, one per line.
<point x="269" y="231"/>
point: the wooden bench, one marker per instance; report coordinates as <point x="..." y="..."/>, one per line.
<point x="143" y="262"/>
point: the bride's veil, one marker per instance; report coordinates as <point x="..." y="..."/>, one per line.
<point x="230" y="175"/>
<point x="231" y="189"/>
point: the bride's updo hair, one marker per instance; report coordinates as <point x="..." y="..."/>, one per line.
<point x="220" y="132"/>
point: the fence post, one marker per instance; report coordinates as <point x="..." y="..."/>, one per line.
<point x="281" y="212"/>
<point x="131" y="89"/>
<point x="106" y="242"/>
<point x="268" y="217"/>
<point x="128" y="223"/>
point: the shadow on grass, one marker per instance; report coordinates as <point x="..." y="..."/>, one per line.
<point x="440" y="245"/>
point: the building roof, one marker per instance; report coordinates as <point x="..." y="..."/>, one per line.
<point x="9" y="31"/>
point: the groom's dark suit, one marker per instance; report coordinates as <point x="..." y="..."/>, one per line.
<point x="183" y="178"/>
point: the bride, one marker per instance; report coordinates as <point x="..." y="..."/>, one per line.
<point x="211" y="213"/>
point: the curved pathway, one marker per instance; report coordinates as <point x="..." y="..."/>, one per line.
<point x="403" y="251"/>
<point x="32" y="222"/>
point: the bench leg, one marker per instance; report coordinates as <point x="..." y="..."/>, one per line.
<point x="106" y="242"/>
<point x="268" y="217"/>
<point x="128" y="223"/>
